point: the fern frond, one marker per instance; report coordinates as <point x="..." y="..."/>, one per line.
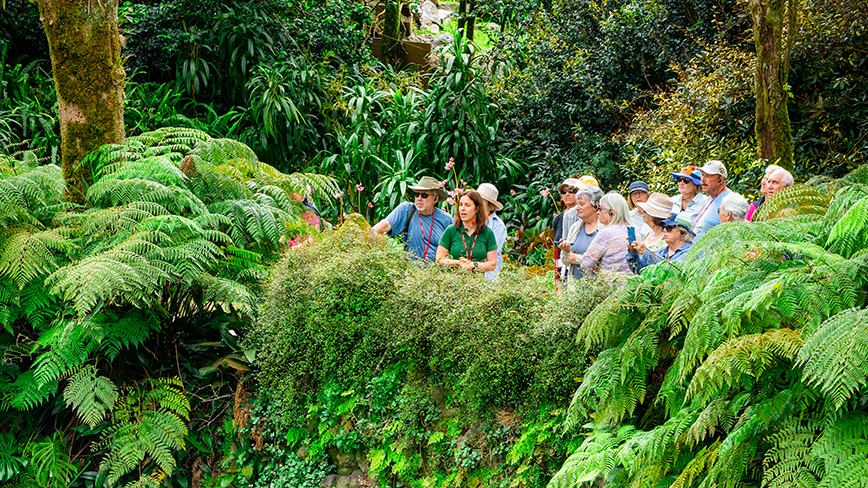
<point x="91" y="396"/>
<point x="786" y="463"/>
<point x="160" y="169"/>
<point x="27" y="253"/>
<point x="843" y="449"/>
<point x="25" y="393"/>
<point x="835" y="357"/>
<point x="114" y="192"/>
<point x="595" y="458"/>
<point x="850" y="234"/>
<point x="799" y="199"/>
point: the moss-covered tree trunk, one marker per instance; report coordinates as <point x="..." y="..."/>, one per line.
<point x="773" y="132"/>
<point x="85" y="48"/>
<point x="392" y="32"/>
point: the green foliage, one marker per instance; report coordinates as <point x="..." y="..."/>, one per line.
<point x="148" y="424"/>
<point x="755" y="351"/>
<point x="10" y="462"/>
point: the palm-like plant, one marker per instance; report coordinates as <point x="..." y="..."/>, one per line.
<point x="747" y="364"/>
<point x="177" y="224"/>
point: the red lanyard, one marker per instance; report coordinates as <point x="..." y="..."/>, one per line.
<point x="469" y="254"/>
<point x="430" y="232"/>
<point x="708" y="205"/>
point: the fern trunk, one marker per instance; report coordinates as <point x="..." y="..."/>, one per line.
<point x="773" y="132"/>
<point x="85" y="48"/>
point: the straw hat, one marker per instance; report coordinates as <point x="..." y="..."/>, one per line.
<point x="658" y="205"/>
<point x="428" y="183"/>
<point x="489" y="193"/>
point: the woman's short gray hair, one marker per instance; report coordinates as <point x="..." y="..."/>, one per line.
<point x="621" y="212"/>
<point x="736" y="204"/>
<point x="592" y="193"/>
<point x="685" y="236"/>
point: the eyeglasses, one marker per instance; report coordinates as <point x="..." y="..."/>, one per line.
<point x="422" y="195"/>
<point x="669" y="228"/>
<point x="600" y="209"/>
<point x="569" y="190"/>
<point x="683" y="180"/>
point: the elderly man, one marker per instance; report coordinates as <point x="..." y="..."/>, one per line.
<point x="419" y="223"/>
<point x="489" y="194"/>
<point x="777" y="181"/>
<point x="714" y="185"/>
<point x="733" y="208"/>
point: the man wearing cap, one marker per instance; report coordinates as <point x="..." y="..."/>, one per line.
<point x="678" y="238"/>
<point x="714" y="185"/>
<point x="638" y="193"/>
<point x="421" y="223"/>
<point x="489" y="193"/>
<point x="690" y="200"/>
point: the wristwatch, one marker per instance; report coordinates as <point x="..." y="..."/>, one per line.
<point x="475" y="266"/>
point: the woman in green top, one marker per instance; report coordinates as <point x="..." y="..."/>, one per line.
<point x="468" y="244"/>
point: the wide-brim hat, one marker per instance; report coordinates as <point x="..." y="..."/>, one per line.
<point x="658" y="205"/>
<point x="569" y="183"/>
<point x="588" y="180"/>
<point x="689" y="172"/>
<point x="428" y="183"/>
<point x="675" y="220"/>
<point x="714" y="167"/>
<point x="489" y="193"/>
<point x="638" y="186"/>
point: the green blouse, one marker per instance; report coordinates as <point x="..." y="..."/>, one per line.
<point x="451" y="240"/>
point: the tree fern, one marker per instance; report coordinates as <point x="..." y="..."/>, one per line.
<point x="27" y="253"/>
<point x="787" y="462"/>
<point x="842" y="449"/>
<point x="798" y="199"/>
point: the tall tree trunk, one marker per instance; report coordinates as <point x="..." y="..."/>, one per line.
<point x="392" y="32"/>
<point x="773" y="132"/>
<point x="85" y="48"/>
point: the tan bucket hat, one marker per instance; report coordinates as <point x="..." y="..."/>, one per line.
<point x="489" y="193"/>
<point x="658" y="205"/>
<point x="428" y="183"/>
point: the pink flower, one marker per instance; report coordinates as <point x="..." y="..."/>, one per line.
<point x="370" y="205"/>
<point x="450" y="201"/>
<point x="450" y="164"/>
<point x="442" y="184"/>
<point x="512" y="192"/>
<point x="359" y="187"/>
<point x="463" y="183"/>
<point x="339" y="194"/>
<point x="544" y="192"/>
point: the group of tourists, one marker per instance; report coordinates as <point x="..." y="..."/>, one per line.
<point x="595" y="233"/>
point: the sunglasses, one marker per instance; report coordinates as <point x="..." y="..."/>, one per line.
<point x="669" y="228"/>
<point x="682" y="179"/>
<point x="569" y="190"/>
<point x="423" y="195"/>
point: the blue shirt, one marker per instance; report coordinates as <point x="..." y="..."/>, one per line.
<point x="638" y="262"/>
<point x="496" y="225"/>
<point x="419" y="237"/>
<point x="708" y="217"/>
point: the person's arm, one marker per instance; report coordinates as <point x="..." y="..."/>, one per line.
<point x="382" y="227"/>
<point x="443" y="258"/>
<point x="595" y="252"/>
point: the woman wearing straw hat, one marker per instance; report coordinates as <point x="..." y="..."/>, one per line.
<point x="468" y="243"/>
<point x="653" y="211"/>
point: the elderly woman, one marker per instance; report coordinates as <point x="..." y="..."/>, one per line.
<point x="678" y="236"/>
<point x="582" y="232"/>
<point x="690" y="200"/>
<point x="657" y="208"/>
<point x="638" y="193"/>
<point x="607" y="253"/>
<point x="468" y="243"/>
<point x="733" y="208"/>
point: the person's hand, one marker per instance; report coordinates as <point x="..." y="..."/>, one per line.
<point x="564" y="246"/>
<point x="574" y="258"/>
<point x="467" y="265"/>
<point x="638" y="247"/>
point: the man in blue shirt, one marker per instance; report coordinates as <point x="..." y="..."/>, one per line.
<point x="714" y="185"/>
<point x="489" y="193"/>
<point x="420" y="223"/>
